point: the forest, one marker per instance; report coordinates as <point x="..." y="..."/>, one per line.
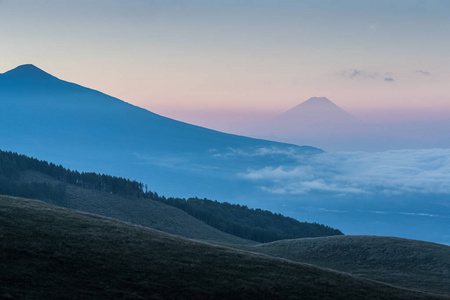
<point x="239" y="220"/>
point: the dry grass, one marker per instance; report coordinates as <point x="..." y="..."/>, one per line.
<point x="54" y="253"/>
<point x="145" y="212"/>
<point x="408" y="263"/>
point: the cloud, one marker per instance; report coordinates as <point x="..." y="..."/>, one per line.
<point x="423" y="72"/>
<point x="388" y="173"/>
<point x="416" y="214"/>
<point x="355" y="73"/>
<point x="291" y="152"/>
<point x="358" y="73"/>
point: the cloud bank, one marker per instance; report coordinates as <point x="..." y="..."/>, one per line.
<point x="390" y="173"/>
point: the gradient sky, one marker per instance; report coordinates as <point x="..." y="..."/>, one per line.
<point x="210" y="59"/>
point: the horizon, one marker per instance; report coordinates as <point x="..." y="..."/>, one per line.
<point x="240" y="121"/>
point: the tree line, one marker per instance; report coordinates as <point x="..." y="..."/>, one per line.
<point x="239" y="220"/>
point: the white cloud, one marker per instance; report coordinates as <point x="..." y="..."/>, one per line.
<point x="419" y="214"/>
<point x="291" y="152"/>
<point x="390" y="172"/>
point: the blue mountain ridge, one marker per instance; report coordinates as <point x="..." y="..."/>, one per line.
<point x="84" y="129"/>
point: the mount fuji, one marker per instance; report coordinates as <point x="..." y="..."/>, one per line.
<point x="316" y="121"/>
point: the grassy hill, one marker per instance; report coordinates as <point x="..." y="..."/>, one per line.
<point x="55" y="253"/>
<point x="402" y="262"/>
<point x="134" y="210"/>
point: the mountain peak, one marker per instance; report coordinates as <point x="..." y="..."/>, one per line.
<point x="27" y="72"/>
<point x="317" y="101"/>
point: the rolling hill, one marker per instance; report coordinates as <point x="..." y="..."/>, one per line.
<point x="53" y="253"/>
<point x="83" y="129"/>
<point x="402" y="262"/>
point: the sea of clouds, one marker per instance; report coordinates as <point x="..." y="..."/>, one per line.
<point x="390" y="173"/>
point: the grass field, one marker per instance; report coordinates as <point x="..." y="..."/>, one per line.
<point x="54" y="253"/>
<point x="145" y="212"/>
<point x="413" y="264"/>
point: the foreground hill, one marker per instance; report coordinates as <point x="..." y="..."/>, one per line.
<point x="402" y="262"/>
<point x="84" y="129"/>
<point x="54" y="253"/>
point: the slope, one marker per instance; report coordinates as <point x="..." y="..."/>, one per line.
<point x="53" y="253"/>
<point x="402" y="262"/>
<point x="43" y="116"/>
<point x="144" y="212"/>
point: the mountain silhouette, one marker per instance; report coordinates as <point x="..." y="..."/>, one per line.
<point x="316" y="121"/>
<point x="27" y="72"/>
<point x="317" y="113"/>
<point x="318" y="110"/>
<point x="55" y="120"/>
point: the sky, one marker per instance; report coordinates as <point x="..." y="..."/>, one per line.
<point x="231" y="62"/>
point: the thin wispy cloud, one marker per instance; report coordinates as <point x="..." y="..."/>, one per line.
<point x="355" y="73"/>
<point x="363" y="74"/>
<point x="416" y="214"/>
<point x="291" y="153"/>
<point x="426" y="73"/>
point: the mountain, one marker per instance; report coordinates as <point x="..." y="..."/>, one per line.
<point x="402" y="262"/>
<point x="54" y="253"/>
<point x="316" y="121"/>
<point x="317" y="113"/>
<point x="43" y="116"/>
<point x="314" y="113"/>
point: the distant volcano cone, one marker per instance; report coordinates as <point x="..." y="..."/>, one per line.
<point x="317" y="113"/>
